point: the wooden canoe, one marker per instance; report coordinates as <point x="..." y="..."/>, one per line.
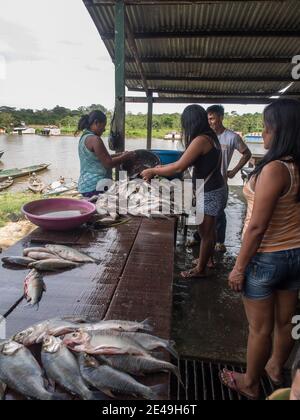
<point x="18" y="173"/>
<point x="6" y="184"/>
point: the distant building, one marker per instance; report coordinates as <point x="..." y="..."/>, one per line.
<point x="51" y="130"/>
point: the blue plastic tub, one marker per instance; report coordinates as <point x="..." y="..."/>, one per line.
<point x="169" y="156"/>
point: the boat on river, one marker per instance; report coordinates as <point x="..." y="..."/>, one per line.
<point x="20" y="172"/>
<point x="6" y="184"/>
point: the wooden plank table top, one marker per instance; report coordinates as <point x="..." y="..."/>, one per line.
<point x="133" y="280"/>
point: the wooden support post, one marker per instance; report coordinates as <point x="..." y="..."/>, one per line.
<point x="149" y="122"/>
<point x="120" y="73"/>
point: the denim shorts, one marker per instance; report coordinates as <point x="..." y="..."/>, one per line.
<point x="270" y="272"/>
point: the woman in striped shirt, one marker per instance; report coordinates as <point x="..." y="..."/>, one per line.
<point x="267" y="270"/>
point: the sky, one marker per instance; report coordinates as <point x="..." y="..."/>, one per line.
<point x="51" y="54"/>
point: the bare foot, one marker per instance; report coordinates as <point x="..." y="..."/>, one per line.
<point x="275" y="374"/>
<point x="236" y="382"/>
<point x="195" y="273"/>
<point x="210" y="263"/>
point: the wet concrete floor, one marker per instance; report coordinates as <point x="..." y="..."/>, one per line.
<point x="209" y="320"/>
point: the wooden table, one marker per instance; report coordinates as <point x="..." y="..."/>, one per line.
<point x="133" y="280"/>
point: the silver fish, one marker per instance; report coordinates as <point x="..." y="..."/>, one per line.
<point x="69" y="254"/>
<point x="34" y="287"/>
<point x="111" y="381"/>
<point x="150" y="342"/>
<point x="40" y="256"/>
<point x="53" y="265"/>
<point x="105" y="343"/>
<point x="18" y="261"/>
<point x="20" y="372"/>
<point x="62" y="367"/>
<point x="129" y="326"/>
<point x="139" y="365"/>
<point x="26" y="251"/>
<point x="56" y="327"/>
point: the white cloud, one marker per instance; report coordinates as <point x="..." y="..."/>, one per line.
<point x="55" y="55"/>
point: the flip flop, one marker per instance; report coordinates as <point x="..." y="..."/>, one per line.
<point x="276" y="384"/>
<point x="232" y="384"/>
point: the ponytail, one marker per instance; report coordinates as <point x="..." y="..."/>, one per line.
<point x="86" y="121"/>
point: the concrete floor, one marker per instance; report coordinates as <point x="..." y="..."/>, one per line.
<point x="209" y="321"/>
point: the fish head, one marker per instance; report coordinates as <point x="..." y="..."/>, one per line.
<point x="51" y="344"/>
<point x="32" y="335"/>
<point x="77" y="338"/>
<point x="9" y="348"/>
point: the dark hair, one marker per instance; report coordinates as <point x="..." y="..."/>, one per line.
<point x="195" y="123"/>
<point x="296" y="365"/>
<point x="283" y="119"/>
<point x="86" y="121"/>
<point x="216" y="109"/>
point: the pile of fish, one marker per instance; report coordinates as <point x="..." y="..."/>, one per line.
<point x="84" y="359"/>
<point x="50" y="258"/>
<point x="137" y="198"/>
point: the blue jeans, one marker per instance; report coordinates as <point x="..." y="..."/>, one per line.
<point x="272" y="271"/>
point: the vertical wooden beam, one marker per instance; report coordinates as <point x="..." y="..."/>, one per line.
<point x="150" y="119"/>
<point x="120" y="73"/>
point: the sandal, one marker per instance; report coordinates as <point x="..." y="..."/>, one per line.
<point x="227" y="379"/>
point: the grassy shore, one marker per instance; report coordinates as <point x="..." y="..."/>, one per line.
<point x="11" y="205"/>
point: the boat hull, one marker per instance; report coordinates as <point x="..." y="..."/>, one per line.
<point x="19" y="173"/>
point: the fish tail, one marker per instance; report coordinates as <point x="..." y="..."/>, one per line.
<point x="146" y="324"/>
<point x="170" y="347"/>
<point x="155" y="392"/>
<point x="95" y="396"/>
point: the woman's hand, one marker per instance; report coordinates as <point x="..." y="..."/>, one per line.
<point x="236" y="280"/>
<point x="148" y="174"/>
<point x="128" y="156"/>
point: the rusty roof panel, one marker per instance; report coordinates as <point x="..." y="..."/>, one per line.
<point x="180" y="21"/>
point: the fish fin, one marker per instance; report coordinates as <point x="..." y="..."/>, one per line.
<point x="147" y="325"/>
<point x="159" y="392"/>
<point x="171" y="349"/>
<point x="109" y="393"/>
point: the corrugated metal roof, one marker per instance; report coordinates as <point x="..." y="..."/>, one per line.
<point x="167" y="35"/>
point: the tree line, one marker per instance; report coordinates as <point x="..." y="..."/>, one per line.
<point x="136" y="124"/>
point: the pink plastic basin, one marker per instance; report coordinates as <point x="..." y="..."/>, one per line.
<point x="42" y="213"/>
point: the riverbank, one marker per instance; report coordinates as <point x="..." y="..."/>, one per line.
<point x="11" y="205"/>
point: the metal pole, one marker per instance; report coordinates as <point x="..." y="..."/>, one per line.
<point x="120" y="73"/>
<point x="149" y="122"/>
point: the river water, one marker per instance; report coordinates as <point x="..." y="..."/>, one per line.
<point x="61" y="153"/>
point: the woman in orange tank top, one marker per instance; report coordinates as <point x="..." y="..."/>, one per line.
<point x="267" y="270"/>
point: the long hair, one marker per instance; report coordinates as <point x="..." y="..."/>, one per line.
<point x="283" y="119"/>
<point x="194" y="121"/>
<point x="86" y="121"/>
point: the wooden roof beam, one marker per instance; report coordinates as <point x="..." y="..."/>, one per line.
<point x="202" y="100"/>
<point x="213" y="60"/>
<point x="205" y="79"/>
<point x="206" y="93"/>
<point x="210" y="34"/>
